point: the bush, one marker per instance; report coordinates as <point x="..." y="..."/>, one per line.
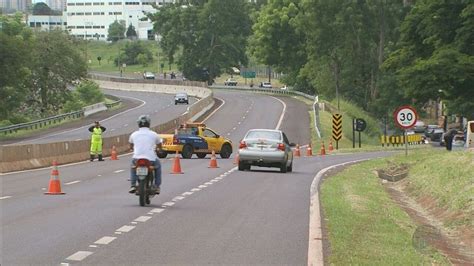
<point x="89" y="92"/>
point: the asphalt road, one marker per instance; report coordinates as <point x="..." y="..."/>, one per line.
<point x="204" y="216"/>
<point x="160" y="107"/>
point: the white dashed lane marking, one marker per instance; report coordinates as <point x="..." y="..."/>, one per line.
<point x="73" y="182"/>
<point x="202" y="186"/>
<point x="157" y="210"/>
<point x="168" y="204"/>
<point x="119" y="171"/>
<point x="80" y="255"/>
<point x="177" y="198"/>
<point x="105" y="240"/>
<point x="195" y="189"/>
<point x="92" y="246"/>
<point x="5" y="197"/>
<point x="125" y="228"/>
<point x="142" y="219"/>
<point x="187" y="193"/>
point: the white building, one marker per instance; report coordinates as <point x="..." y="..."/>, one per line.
<point x="91" y="18"/>
<point x="47" y="22"/>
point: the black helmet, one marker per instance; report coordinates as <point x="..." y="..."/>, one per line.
<point x="143" y="121"/>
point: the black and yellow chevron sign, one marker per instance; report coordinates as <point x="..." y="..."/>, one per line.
<point x="336" y="127"/>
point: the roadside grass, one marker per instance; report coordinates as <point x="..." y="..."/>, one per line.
<point x="109" y="51"/>
<point x="447" y="177"/>
<point x="365" y="227"/>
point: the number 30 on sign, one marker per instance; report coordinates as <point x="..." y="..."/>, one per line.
<point x="405" y="116"/>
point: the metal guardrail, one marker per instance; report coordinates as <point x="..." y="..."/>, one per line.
<point x="49" y="120"/>
<point x="275" y="91"/>
<point x="40" y="123"/>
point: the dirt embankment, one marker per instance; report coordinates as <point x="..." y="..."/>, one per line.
<point x="456" y="244"/>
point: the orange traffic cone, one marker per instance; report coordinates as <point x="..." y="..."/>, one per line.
<point x="309" y="150"/>
<point x="113" y="154"/>
<point x="331" y="148"/>
<point x="176" y="165"/>
<point x="236" y="159"/>
<point x="213" y="162"/>
<point x="323" y="150"/>
<point x="297" y="151"/>
<point x="54" y="187"/>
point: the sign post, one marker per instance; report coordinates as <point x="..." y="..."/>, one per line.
<point x="405" y="117"/>
<point x="337" y="128"/>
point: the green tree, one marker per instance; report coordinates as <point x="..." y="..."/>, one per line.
<point x="15" y="51"/>
<point x="116" y="31"/>
<point x="435" y="54"/>
<point x="211" y="34"/>
<point x="132" y="51"/>
<point x="55" y="64"/>
<point x="42" y="9"/>
<point x="131" y="33"/>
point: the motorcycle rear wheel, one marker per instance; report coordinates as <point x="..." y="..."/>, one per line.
<point x="142" y="194"/>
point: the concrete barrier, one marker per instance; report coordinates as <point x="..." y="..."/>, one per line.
<point x="95" y="108"/>
<point x="30" y="156"/>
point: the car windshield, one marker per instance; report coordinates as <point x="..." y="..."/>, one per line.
<point x="181" y="95"/>
<point x="264" y="135"/>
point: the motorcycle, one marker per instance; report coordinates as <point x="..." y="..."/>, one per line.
<point x="145" y="171"/>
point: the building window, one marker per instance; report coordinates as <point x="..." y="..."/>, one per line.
<point x="80" y="27"/>
<point x="88" y="13"/>
<point x="87" y="4"/>
<point x="79" y="4"/>
<point x="71" y="4"/>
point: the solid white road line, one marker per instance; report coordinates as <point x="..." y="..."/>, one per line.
<point x="125" y="228"/>
<point x="142" y="219"/>
<point x="5" y="197"/>
<point x="213" y="112"/>
<point x="73" y="182"/>
<point x="315" y="246"/>
<point x="105" y="240"/>
<point x="282" y="112"/>
<point x="80" y="255"/>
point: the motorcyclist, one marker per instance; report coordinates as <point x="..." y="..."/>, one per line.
<point x="144" y="143"/>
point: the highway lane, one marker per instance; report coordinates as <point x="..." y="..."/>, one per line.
<point x="159" y="106"/>
<point x="217" y="216"/>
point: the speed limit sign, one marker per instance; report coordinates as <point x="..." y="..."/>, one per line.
<point x="405" y="116"/>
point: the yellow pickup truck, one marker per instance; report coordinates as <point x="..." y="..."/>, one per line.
<point x="195" y="138"/>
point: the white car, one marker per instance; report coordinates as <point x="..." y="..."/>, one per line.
<point x="266" y="148"/>
<point x="148" y="75"/>
<point x="266" y="85"/>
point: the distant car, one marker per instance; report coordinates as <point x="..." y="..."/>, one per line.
<point x="266" y="85"/>
<point x="429" y="129"/>
<point x="266" y="148"/>
<point x="230" y="82"/>
<point x="181" y="97"/>
<point x="148" y="75"/>
<point x="458" y="141"/>
<point x="419" y="127"/>
<point x="284" y="88"/>
<point x="436" y="134"/>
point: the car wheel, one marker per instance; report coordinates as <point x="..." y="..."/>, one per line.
<point x="226" y="151"/>
<point x="175" y="103"/>
<point x="290" y="168"/>
<point x="162" y="154"/>
<point x="283" y="167"/>
<point x="187" y="102"/>
<point x="243" y="166"/>
<point x="187" y="151"/>
<point x="201" y="155"/>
